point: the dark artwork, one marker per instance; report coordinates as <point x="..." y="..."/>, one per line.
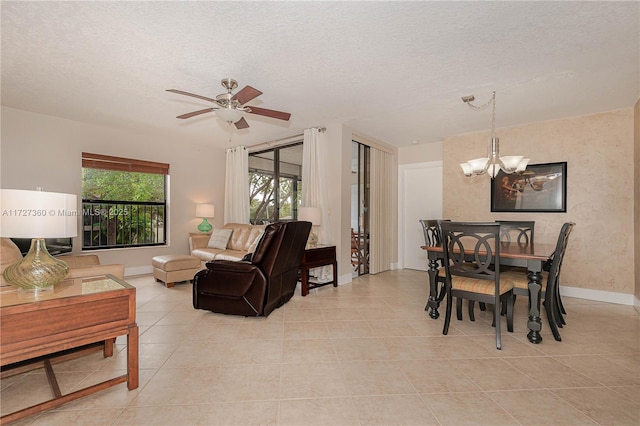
<point x="540" y="188"/>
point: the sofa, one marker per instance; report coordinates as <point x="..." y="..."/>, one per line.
<point x="243" y="239"/>
<point x="257" y="286"/>
<point x="80" y="266"/>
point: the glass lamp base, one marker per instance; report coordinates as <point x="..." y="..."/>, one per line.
<point x="38" y="270"/>
<point x="205" y="226"/>
<point x="312" y="241"/>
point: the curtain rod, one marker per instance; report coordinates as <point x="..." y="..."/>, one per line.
<point x="276" y="142"/>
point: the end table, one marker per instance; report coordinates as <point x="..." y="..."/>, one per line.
<point x="314" y="258"/>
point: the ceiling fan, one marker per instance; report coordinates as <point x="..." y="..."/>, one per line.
<point x="230" y="107"/>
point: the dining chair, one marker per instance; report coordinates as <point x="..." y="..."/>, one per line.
<point x="433" y="237"/>
<point x="431" y="231"/>
<point x="355" y="251"/>
<point x="519" y="231"/>
<point x="358" y="250"/>
<point x="472" y="265"/>
<point x="551" y="288"/>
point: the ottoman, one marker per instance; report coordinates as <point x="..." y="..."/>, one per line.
<point x="172" y="268"/>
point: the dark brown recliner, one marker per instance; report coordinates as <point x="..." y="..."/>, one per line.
<point x="258" y="286"/>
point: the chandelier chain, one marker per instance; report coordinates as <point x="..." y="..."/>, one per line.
<point x="483" y="106"/>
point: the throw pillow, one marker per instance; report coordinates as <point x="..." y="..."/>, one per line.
<point x="255" y="242"/>
<point x="220" y="238"/>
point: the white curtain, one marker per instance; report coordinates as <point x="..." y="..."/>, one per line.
<point x="314" y="188"/>
<point x="236" y="186"/>
<point x="381" y="216"/>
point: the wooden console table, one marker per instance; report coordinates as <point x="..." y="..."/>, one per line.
<point x="73" y="314"/>
<point x="314" y="258"/>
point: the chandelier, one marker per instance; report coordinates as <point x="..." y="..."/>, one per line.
<point x="493" y="163"/>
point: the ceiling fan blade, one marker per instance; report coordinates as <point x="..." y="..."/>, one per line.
<point x="194" y="113"/>
<point x="180" y="92"/>
<point x="246" y="94"/>
<point x="270" y="113"/>
<point x="241" y="124"/>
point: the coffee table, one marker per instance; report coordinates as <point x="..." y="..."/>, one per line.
<point x="75" y="313"/>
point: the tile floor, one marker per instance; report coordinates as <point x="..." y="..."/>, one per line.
<point x="364" y="353"/>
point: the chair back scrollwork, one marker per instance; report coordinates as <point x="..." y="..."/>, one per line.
<point x="521" y="232"/>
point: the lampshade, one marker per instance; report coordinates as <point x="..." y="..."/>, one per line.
<point x="467" y="169"/>
<point x="313" y="215"/>
<point x="38" y="214"/>
<point x="522" y="165"/>
<point x="310" y="214"/>
<point x="479" y="165"/>
<point x="230" y="115"/>
<point x="205" y="210"/>
<point x="511" y="162"/>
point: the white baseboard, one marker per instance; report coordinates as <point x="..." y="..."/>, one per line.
<point x="579" y="293"/>
<point x="599" y="295"/>
<point x="344" y="279"/>
<point x="138" y="270"/>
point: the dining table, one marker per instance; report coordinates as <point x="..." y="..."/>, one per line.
<point x="530" y="256"/>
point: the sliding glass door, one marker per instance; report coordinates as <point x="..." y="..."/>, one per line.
<point x="275" y="184"/>
<point x="360" y="199"/>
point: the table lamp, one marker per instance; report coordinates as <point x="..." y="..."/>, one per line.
<point x="204" y="211"/>
<point x="37" y="215"/>
<point x="313" y="215"/>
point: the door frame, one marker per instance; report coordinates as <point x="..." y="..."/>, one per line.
<point x="403" y="203"/>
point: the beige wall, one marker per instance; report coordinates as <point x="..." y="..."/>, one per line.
<point x="422" y="153"/>
<point x="599" y="152"/>
<point x="636" y="203"/>
<point x="39" y="150"/>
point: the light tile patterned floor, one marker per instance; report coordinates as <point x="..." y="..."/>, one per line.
<point x="365" y="353"/>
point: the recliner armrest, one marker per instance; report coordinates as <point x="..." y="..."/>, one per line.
<point x="227" y="277"/>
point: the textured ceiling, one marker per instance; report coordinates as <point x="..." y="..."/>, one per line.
<point x="392" y="70"/>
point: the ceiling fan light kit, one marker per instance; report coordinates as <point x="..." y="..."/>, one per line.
<point x="230" y="107"/>
<point x="493" y="163"/>
<point x="229" y="115"/>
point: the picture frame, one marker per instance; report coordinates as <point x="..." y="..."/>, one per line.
<point x="540" y="188"/>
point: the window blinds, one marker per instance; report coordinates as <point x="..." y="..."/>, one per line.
<point x="107" y="162"/>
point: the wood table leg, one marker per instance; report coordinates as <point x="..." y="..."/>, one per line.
<point x="335" y="274"/>
<point x="107" y="351"/>
<point x="132" y="358"/>
<point x="304" y="281"/>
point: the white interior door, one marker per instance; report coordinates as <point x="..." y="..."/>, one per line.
<point x="420" y="193"/>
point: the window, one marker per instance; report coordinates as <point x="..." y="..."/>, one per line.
<point x="124" y="202"/>
<point x="268" y="201"/>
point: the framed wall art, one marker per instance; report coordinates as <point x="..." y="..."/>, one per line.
<point x="540" y="188"/>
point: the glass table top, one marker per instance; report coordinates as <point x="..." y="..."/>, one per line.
<point x="10" y="295"/>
